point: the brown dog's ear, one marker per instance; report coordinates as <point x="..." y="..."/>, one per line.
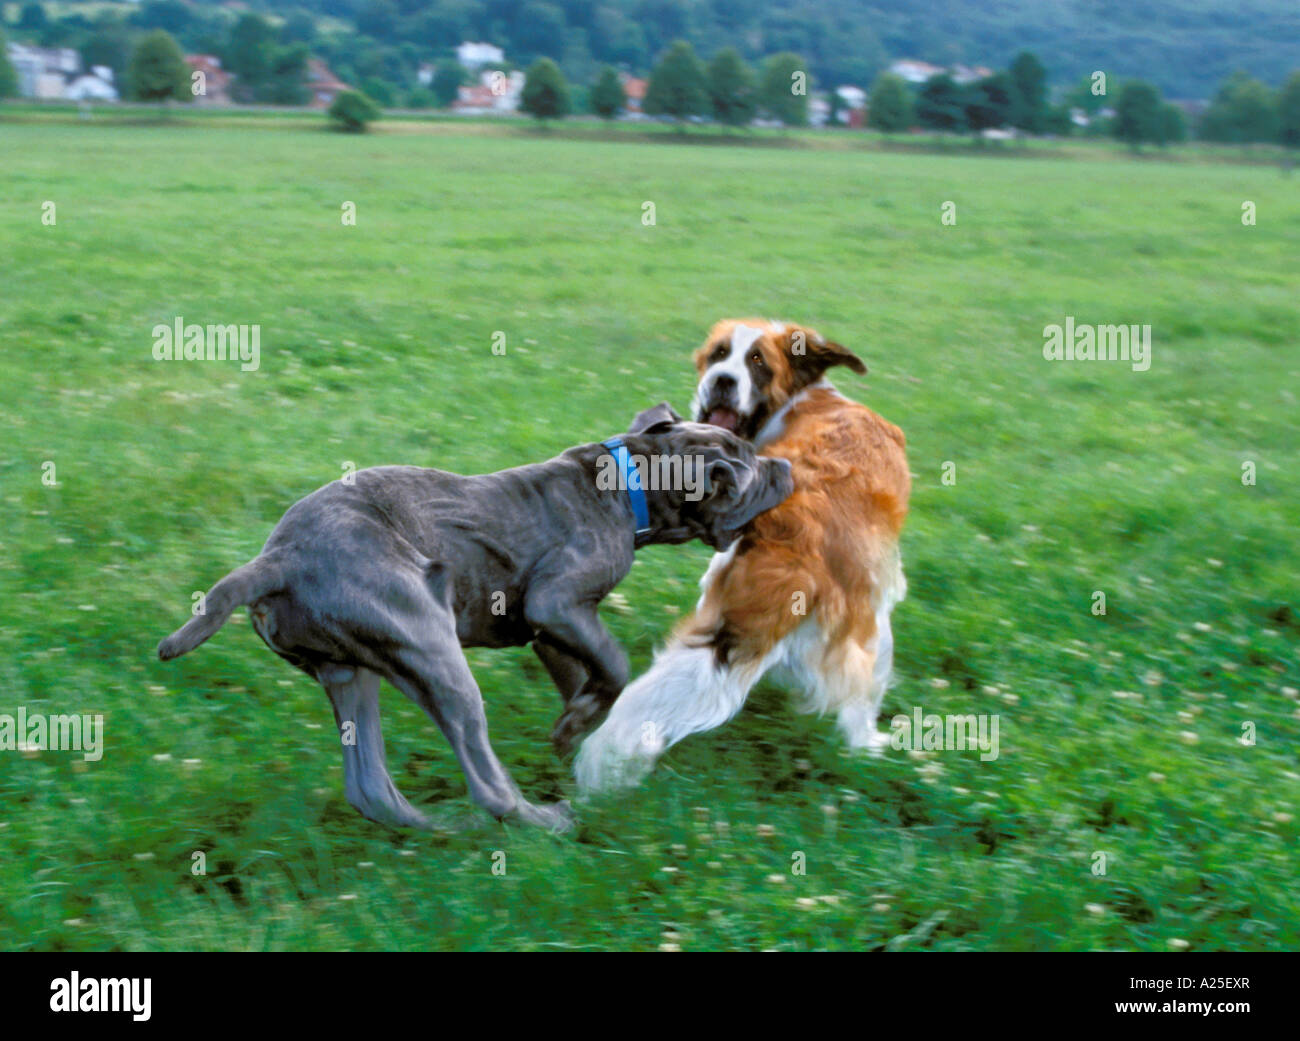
<point x="652" y="420"/>
<point x="811" y="354"/>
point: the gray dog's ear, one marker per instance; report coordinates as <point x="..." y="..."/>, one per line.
<point x="652" y="419"/>
<point x="739" y="492"/>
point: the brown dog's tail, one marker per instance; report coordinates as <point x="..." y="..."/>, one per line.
<point x="242" y="586"/>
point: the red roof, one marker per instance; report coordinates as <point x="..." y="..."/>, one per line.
<point x="319" y="77"/>
<point x="210" y="66"/>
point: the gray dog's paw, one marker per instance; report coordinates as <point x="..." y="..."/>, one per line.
<point x="556" y="817"/>
<point x="577" y="719"/>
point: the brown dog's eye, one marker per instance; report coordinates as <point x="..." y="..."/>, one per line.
<point x="719" y="353"/>
<point x="757" y="358"/>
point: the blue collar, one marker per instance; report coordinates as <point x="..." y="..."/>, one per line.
<point x="632" y="479"/>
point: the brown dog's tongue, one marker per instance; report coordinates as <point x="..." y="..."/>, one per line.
<point x="723" y="417"/>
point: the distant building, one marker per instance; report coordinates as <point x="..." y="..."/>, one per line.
<point x="848" y="103"/>
<point x="915" y="71"/>
<point x="95" y="85"/>
<point x="215" y="81"/>
<point x="496" y="92"/>
<point x="634" y="90"/>
<point x="964" y="74"/>
<point x="920" y="71"/>
<point x="475" y="55"/>
<point x="323" y="84"/>
<point x="852" y="97"/>
<point x="43" y="72"/>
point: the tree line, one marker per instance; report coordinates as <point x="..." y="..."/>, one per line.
<point x="269" y="64"/>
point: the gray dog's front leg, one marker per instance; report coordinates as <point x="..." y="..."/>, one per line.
<point x="578" y="633"/>
<point x="567" y="673"/>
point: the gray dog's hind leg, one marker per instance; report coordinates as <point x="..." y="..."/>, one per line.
<point x="354" y="693"/>
<point x="438" y="679"/>
<point x="567" y="673"/>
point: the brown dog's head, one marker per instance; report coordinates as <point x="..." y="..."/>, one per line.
<point x="749" y="368"/>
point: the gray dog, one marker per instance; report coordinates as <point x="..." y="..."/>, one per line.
<point x="391" y="574"/>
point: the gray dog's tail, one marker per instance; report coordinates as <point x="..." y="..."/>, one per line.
<point x="242" y="586"/>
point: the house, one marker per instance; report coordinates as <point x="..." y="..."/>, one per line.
<point x="43" y="72"/>
<point x="852" y="97"/>
<point x="213" y="86"/>
<point x="964" y="74"/>
<point x="848" y="104"/>
<point x="475" y="55"/>
<point x="915" y="71"/>
<point x="634" y="90"/>
<point x="495" y="93"/>
<point x="95" y="85"/>
<point x="323" y="85"/>
<point x="920" y="71"/>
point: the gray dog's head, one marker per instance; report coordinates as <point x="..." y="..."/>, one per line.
<point x="702" y="481"/>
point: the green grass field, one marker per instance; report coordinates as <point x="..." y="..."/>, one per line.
<point x="1120" y="734"/>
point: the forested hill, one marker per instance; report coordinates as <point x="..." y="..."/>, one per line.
<point x="1186" y="47"/>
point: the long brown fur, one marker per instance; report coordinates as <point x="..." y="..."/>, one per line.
<point x="831" y="539"/>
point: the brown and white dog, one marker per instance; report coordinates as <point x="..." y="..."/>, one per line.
<point x="809" y="588"/>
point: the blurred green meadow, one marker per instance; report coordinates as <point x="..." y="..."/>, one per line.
<point x="1124" y="810"/>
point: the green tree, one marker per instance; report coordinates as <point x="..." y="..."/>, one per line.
<point x="158" y="71"/>
<point x="176" y="17"/>
<point x="941" y="105"/>
<point x="731" y="88"/>
<point x="448" y="75"/>
<point x="32" y="18"/>
<point x="1083" y="95"/>
<point x="109" y="45"/>
<point x="352" y="110"/>
<point x="285" y="79"/>
<point x="8" y="75"/>
<point x="1028" y="93"/>
<point x="421" y="97"/>
<point x="378" y="18"/>
<point x="249" y="53"/>
<point x="889" y="106"/>
<point x="539" y="30"/>
<point x="607" y="95"/>
<point x="1059" y="122"/>
<point x="677" y="87"/>
<point x="1243" y="111"/>
<point x="1173" y="125"/>
<point x="379" y="91"/>
<point x="783" y="89"/>
<point x="1288" y="111"/>
<point x="298" y="27"/>
<point x="1139" y="116"/>
<point x="989" y="103"/>
<point x="546" y="94"/>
